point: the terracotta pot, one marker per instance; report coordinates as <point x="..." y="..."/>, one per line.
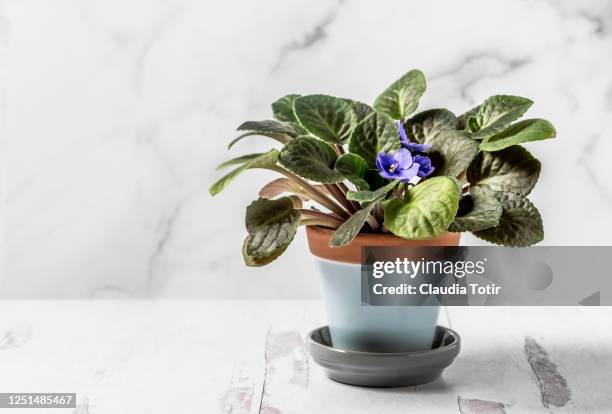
<point x="318" y="242"/>
<point x="366" y="328"/>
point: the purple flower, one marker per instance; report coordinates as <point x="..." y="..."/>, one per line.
<point x="424" y="163"/>
<point x="397" y="166"/>
<point x="412" y="146"/>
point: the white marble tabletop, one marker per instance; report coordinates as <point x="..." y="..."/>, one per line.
<point x="248" y="357"/>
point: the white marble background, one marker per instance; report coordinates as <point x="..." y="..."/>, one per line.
<point x="116" y="112"/>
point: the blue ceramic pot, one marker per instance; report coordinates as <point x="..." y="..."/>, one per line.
<point x="369" y="328"/>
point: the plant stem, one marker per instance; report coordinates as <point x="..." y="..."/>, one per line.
<point x="343" y="187"/>
<point x="339" y="149"/>
<point x="462" y="176"/>
<point x="345" y="190"/>
<point x="310" y="216"/>
<point x="315" y="194"/>
<point x="317" y="222"/>
<point x="378" y="211"/>
<point x="337" y="193"/>
<point x="371" y="220"/>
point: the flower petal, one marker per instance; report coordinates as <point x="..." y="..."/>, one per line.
<point x="424" y="162"/>
<point x="384" y="160"/>
<point x="388" y="175"/>
<point x="403" y="158"/>
<point x="406" y="174"/>
<point x="414" y="147"/>
<point x="402" y="133"/>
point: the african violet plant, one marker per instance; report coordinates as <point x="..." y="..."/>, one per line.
<point x="376" y="170"/>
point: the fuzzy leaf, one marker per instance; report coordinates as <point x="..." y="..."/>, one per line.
<point x="452" y="152"/>
<point x="402" y="97"/>
<point x="331" y="119"/>
<point x="496" y="113"/>
<point x="351" y="227"/>
<point x="524" y="131"/>
<point x="264" y="160"/>
<point x="462" y="120"/>
<point x="480" y="209"/>
<point x="364" y="196"/>
<point x="426" y="212"/>
<point x="286" y="128"/>
<point x="311" y="158"/>
<point x="512" y="169"/>
<point x="279" y="131"/>
<point x="271" y="224"/>
<point x="252" y="261"/>
<point x="376" y="133"/>
<point x="520" y="223"/>
<point x="238" y="160"/>
<point x="353" y="168"/>
<point x="360" y="109"/>
<point x="427" y="125"/>
<point x="282" y="109"/>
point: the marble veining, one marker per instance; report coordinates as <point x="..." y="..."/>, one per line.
<point x="117" y="112"/>
<point x="315" y="35"/>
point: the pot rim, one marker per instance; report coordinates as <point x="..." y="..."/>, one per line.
<point x="361" y="236"/>
<point x="318" y="242"/>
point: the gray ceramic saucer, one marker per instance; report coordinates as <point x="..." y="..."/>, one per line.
<point x="373" y="369"/>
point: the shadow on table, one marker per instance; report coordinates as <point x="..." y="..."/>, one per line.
<point x="438" y="386"/>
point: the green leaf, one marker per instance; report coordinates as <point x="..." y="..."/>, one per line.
<point x="427" y="210"/>
<point x="238" y="160"/>
<point x="277" y="137"/>
<point x="462" y="120"/>
<point x="360" y="109"/>
<point x="524" y="131"/>
<point x="473" y="126"/>
<point x="351" y="227"/>
<point x="376" y="133"/>
<point x="480" y="209"/>
<point x="512" y="169"/>
<point x="520" y="223"/>
<point x="353" y="168"/>
<point x="311" y="158"/>
<point x="331" y="119"/>
<point x="402" y="97"/>
<point x="279" y="131"/>
<point x="428" y="124"/>
<point x="271" y="224"/>
<point x="451" y="152"/>
<point x="282" y="109"/>
<point x="252" y="261"/>
<point x="264" y="160"/>
<point x="365" y="195"/>
<point x="375" y="181"/>
<point x="271" y="126"/>
<point x="496" y="113"/>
